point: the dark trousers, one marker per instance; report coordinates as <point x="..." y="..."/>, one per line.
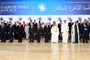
<point x="60" y="36"/>
<point x="38" y="37"/>
<point x="70" y="34"/>
<point x="85" y="36"/>
<point x="3" y="37"/>
<point x="35" y="36"/>
<point x="16" y="35"/>
<point x="0" y="36"/>
<point x="49" y="36"/>
<point x="31" y="37"/>
<point x="80" y="35"/>
<point x="11" y="37"/>
<point x="7" y="36"/>
<point x="19" y="37"/>
<point x="46" y="37"/>
<point x="24" y="34"/>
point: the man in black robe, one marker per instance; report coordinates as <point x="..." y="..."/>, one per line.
<point x="60" y="35"/>
<point x="76" y="32"/>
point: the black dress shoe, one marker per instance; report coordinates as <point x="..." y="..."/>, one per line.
<point x="19" y="41"/>
<point x="4" y="41"/>
<point x="30" y="41"/>
<point x="1" y="41"/>
<point x="46" y="42"/>
<point x="86" y="42"/>
<point x="38" y="41"/>
<point x="10" y="41"/>
<point x="33" y="41"/>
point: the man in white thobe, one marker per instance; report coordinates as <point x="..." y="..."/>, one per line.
<point x="73" y="33"/>
<point x="54" y="33"/>
<point x="64" y="31"/>
<point x="27" y="31"/>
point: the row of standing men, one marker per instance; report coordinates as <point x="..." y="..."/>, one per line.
<point x="32" y="31"/>
<point x="74" y="31"/>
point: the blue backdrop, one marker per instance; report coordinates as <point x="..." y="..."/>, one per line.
<point x="44" y="7"/>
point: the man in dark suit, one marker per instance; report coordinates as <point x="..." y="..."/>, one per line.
<point x="85" y="31"/>
<point x="46" y="33"/>
<point x="88" y="23"/>
<point x="15" y="30"/>
<point x="35" y="29"/>
<point x="39" y="32"/>
<point x="80" y="29"/>
<point x="24" y="25"/>
<point x="7" y="26"/>
<point x="11" y="32"/>
<point x="70" y="28"/>
<point x="3" y="32"/>
<point x="20" y="30"/>
<point x="31" y="33"/>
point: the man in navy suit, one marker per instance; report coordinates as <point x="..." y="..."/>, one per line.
<point x="3" y="32"/>
<point x="85" y="31"/>
<point x="11" y="31"/>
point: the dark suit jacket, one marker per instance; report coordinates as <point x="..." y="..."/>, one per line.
<point x="35" y="27"/>
<point x="31" y="30"/>
<point x="80" y="28"/>
<point x="70" y="26"/>
<point x="3" y="30"/>
<point x="46" y="30"/>
<point x="20" y="30"/>
<point x="39" y="30"/>
<point x="11" y="29"/>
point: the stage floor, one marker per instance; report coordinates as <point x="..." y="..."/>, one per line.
<point x="44" y="51"/>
